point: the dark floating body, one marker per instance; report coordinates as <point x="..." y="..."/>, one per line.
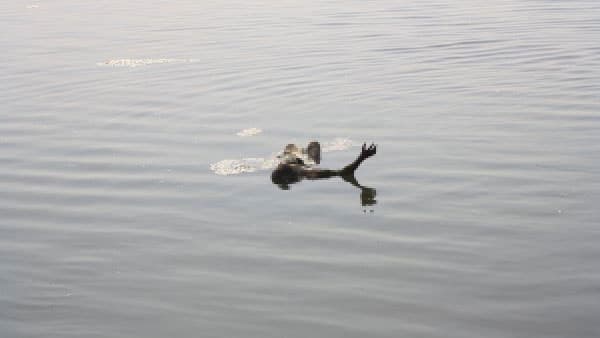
<point x="292" y="169"/>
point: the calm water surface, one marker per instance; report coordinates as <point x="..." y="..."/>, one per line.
<point x="487" y="117"/>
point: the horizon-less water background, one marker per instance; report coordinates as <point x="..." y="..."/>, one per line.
<point x="487" y="117"/>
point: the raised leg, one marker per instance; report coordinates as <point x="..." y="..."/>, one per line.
<point x="365" y="153"/>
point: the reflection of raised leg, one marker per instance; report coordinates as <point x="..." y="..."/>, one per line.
<point x="367" y="195"/>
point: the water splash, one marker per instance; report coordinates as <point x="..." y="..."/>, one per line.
<point x="249" y="132"/>
<point x="141" y="62"/>
<point x="337" y="144"/>
<point x="244" y="165"/>
<point x="251" y="164"/>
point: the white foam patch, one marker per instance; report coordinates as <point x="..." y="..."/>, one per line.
<point x="249" y="132"/>
<point x="244" y="165"/>
<point x="338" y="144"/>
<point x="141" y="62"/>
<point x="252" y="164"/>
<point x="33" y="6"/>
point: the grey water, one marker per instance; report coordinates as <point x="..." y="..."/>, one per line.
<point x="487" y="175"/>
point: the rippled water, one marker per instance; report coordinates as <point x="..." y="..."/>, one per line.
<point x="487" y="117"/>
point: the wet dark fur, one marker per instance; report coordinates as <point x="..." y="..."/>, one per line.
<point x="292" y="168"/>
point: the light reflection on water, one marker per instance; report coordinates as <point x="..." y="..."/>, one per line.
<point x="486" y="116"/>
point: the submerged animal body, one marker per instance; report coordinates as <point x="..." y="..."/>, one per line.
<point x="292" y="167"/>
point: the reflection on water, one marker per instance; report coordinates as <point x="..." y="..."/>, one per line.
<point x="367" y="194"/>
